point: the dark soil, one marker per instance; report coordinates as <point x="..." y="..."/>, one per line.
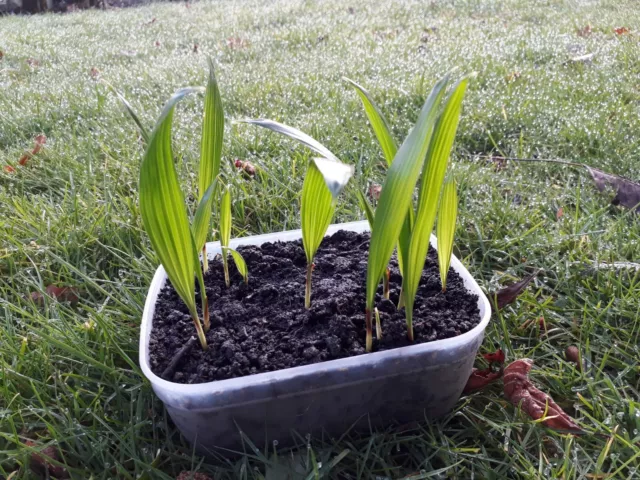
<point x="263" y="326"/>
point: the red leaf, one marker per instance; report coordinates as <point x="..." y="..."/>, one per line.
<point x="480" y="379"/>
<point x="40" y="462"/>
<point x="621" y="30"/>
<point x="245" y="166"/>
<point x="508" y="294"/>
<point x="40" y="140"/>
<point x="627" y="191"/>
<point x="497" y="356"/>
<point x="62" y="294"/>
<point x="519" y="390"/>
<point x="8" y="169"/>
<point x="559" y="213"/>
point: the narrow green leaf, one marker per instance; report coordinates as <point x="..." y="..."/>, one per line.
<point x="378" y="123"/>
<point x="397" y="191"/>
<point x="295" y="134"/>
<point x="431" y="184"/>
<point x="225" y="218"/>
<point x="241" y="265"/>
<point x="316" y="210"/>
<point x="202" y="218"/>
<point x="446" y="228"/>
<point x="212" y="135"/>
<point x="366" y="206"/>
<point x="131" y="111"/>
<point x="163" y="210"/>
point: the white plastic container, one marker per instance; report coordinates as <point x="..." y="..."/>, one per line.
<point x="399" y="385"/>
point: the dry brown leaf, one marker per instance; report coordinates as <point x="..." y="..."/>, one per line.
<point x="627" y="191"/>
<point x="572" y="355"/>
<point x="245" y="166"/>
<point x="481" y="378"/>
<point x="8" y="169"/>
<point x="519" y="390"/>
<point x="94" y="72"/>
<point x="40" y="462"/>
<point x="584" y="31"/>
<point x="375" y="190"/>
<point x="621" y="30"/>
<point x="508" y="294"/>
<point x="559" y="213"/>
<point x="40" y="140"/>
<point x="62" y="294"/>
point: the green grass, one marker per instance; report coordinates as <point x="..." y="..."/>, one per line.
<point x="69" y="375"/>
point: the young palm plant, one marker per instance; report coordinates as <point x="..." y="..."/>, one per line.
<point x="325" y="179"/>
<point x="425" y="151"/>
<point x="162" y="205"/>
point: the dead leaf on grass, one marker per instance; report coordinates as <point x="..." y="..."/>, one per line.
<point x="61" y="294"/>
<point x="508" y="294"/>
<point x="40" y="140"/>
<point x="584" y="31"/>
<point x="519" y="390"/>
<point x="40" y="462"/>
<point x="245" y="166"/>
<point x="621" y="30"/>
<point x="627" y="191"/>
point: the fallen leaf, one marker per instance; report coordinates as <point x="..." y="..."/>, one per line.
<point x="519" y="390"/>
<point x="497" y="356"/>
<point x="246" y="166"/>
<point x="627" y="191"/>
<point x="40" y="140"/>
<point x="151" y="22"/>
<point x="32" y="62"/>
<point x="621" y="30"/>
<point x="584" y="31"/>
<point x="572" y="355"/>
<point x="157" y="44"/>
<point x="8" y="169"/>
<point x="185" y="475"/>
<point x="40" y="462"/>
<point x="559" y="213"/>
<point x="374" y="191"/>
<point x="195" y="48"/>
<point x="94" y="72"/>
<point x="237" y="43"/>
<point x="61" y="294"/>
<point x="481" y="378"/>
<point x="508" y="294"/>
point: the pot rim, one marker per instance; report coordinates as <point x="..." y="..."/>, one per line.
<point x="213" y="249"/>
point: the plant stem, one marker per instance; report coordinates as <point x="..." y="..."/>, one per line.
<point x="307" y="286"/>
<point x="369" y="339"/>
<point x="401" y="300"/>
<point x="205" y="260"/>
<point x="225" y="267"/>
<point x="201" y="337"/>
<point x="378" y="325"/>
<point x="385" y="283"/>
<point x="409" y="314"/>
<point x="205" y="313"/>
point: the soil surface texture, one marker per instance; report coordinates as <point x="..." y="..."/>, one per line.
<point x="263" y="326"/>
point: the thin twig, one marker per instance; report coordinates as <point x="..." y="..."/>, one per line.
<point x="515" y="159"/>
<point x="177" y="357"/>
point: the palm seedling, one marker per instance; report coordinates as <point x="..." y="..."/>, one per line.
<point x="325" y="178"/>
<point x="162" y="205"/>
<point x="424" y="152"/>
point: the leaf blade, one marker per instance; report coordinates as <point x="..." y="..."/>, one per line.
<point x="239" y="261"/>
<point x="431" y="184"/>
<point x="162" y="207"/>
<point x="446" y="228"/>
<point x="316" y="210"/>
<point x="225" y="218"/>
<point x="212" y="134"/>
<point x="397" y="191"/>
<point x="201" y="219"/>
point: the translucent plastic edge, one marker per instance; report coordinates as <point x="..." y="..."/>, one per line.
<point x="213" y="249"/>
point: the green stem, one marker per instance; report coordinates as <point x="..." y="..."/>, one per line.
<point x="205" y="312"/>
<point x="409" y="315"/>
<point x="225" y="267"/>
<point x="378" y="325"/>
<point x="307" y="286"/>
<point x="201" y="337"/>
<point x="369" y="339"/>
<point x="385" y="283"/>
<point x="205" y="260"/>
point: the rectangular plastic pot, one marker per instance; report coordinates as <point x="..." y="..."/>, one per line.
<point x="400" y="385"/>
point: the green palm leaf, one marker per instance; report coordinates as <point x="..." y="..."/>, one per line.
<point x="446" y="228"/>
<point x="164" y="213"/>
<point x="431" y="183"/>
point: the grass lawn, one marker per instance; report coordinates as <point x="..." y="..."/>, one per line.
<point x="69" y="374"/>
